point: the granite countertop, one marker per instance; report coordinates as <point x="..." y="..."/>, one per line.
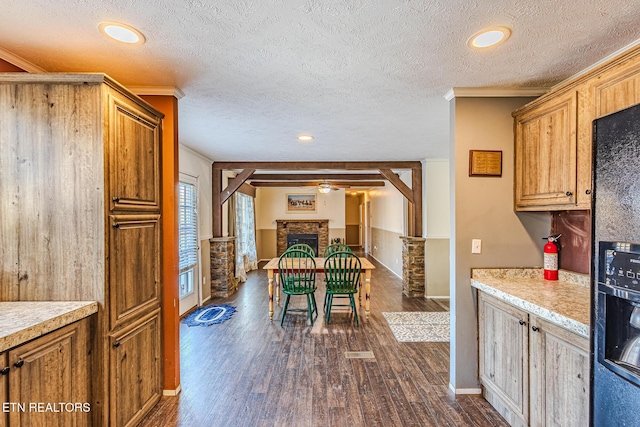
<point x="21" y="321"/>
<point x="565" y="302"/>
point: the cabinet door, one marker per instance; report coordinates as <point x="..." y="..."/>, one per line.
<point x="135" y="371"/>
<point x="134" y="266"/>
<point x="503" y="358"/>
<point x="50" y="377"/>
<point x="4" y="389"/>
<point x="559" y="375"/>
<point x="545" y="167"/>
<point x="133" y="156"/>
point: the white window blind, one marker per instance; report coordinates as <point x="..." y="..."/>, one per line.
<point x="188" y="238"/>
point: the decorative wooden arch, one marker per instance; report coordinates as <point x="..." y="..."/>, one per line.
<point x="413" y="194"/>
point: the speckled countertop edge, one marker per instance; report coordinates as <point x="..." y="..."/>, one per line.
<point x="563" y="302"/>
<point x="21" y="321"/>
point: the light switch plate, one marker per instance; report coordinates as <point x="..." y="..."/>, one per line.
<point x="476" y="246"/>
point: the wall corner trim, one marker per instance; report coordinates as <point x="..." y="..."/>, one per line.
<point x="157" y="90"/>
<point x="14" y="59"/>
<point x="493" y="92"/>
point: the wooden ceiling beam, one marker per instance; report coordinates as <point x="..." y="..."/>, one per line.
<point x="315" y="176"/>
<point x="397" y="182"/>
<point x="342" y="184"/>
<point x="303" y="165"/>
<point x="235" y="183"/>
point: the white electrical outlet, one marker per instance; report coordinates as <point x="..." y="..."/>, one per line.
<point x="476" y="246"/>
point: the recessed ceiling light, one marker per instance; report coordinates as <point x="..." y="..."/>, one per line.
<point x="121" y="32"/>
<point x="305" y="138"/>
<point x="489" y="37"/>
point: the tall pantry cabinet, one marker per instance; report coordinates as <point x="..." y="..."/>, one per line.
<point x="80" y="220"/>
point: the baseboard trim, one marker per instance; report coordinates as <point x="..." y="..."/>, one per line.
<point x="464" y="390"/>
<point x="437" y="297"/>
<point x="386" y="266"/>
<point x="172" y="392"/>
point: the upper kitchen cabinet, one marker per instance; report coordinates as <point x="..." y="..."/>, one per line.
<point x="545" y="155"/>
<point x="134" y="155"/>
<point x="553" y="134"/>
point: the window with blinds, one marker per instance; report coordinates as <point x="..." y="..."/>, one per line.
<point x="188" y="230"/>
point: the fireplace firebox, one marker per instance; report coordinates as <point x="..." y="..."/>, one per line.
<point x="309" y="239"/>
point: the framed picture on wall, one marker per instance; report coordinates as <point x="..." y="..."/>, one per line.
<point x="301" y="203"/>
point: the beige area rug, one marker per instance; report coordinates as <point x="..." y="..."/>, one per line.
<point x="419" y="326"/>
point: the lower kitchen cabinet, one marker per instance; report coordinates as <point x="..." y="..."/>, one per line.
<point x="559" y="375"/>
<point x="135" y="370"/>
<point x="46" y="381"/>
<point x="4" y="388"/>
<point x="532" y="371"/>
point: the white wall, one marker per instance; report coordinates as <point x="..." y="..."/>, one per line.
<point x="388" y="213"/>
<point x="198" y="166"/>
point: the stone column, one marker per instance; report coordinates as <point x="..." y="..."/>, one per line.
<point x="223" y="281"/>
<point x="413" y="274"/>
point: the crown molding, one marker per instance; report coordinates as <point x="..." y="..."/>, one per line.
<point x="493" y="92"/>
<point x="157" y="90"/>
<point x="20" y="62"/>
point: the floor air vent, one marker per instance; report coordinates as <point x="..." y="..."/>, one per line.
<point x="359" y="355"/>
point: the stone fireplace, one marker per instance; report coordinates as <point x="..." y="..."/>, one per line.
<point x="288" y="230"/>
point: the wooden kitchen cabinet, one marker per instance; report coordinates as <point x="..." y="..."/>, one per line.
<point x="559" y="375"/>
<point x="88" y="229"/>
<point x="532" y="371"/>
<point x="4" y="388"/>
<point x="135" y="268"/>
<point x="504" y="358"/>
<point x="135" y="367"/>
<point x="554" y="134"/>
<point x="46" y="381"/>
<point x="545" y="155"/>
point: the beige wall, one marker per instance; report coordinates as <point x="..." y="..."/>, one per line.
<point x="482" y="208"/>
<point x="437" y="268"/>
<point x="436" y="225"/>
<point x="387" y="225"/>
<point x="271" y="205"/>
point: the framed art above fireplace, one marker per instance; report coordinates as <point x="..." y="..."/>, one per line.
<point x="301" y="203"/>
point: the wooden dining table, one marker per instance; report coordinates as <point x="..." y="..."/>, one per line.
<point x="272" y="273"/>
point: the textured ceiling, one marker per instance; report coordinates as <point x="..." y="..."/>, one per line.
<point x="366" y="77"/>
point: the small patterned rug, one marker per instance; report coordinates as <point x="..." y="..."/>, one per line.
<point x="209" y="315"/>
<point x="419" y="326"/>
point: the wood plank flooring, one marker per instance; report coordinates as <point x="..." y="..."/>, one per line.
<point x="249" y="371"/>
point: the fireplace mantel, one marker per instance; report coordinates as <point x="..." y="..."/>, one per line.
<point x="302" y="226"/>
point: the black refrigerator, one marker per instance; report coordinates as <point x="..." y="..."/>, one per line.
<point x="615" y="270"/>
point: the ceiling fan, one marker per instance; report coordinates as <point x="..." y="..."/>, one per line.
<point x="325" y="187"/>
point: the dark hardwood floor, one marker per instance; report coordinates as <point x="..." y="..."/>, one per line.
<point x="249" y="371"/>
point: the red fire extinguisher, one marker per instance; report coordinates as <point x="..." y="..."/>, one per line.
<point x="551" y="258"/>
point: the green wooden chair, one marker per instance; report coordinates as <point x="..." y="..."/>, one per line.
<point x="342" y="271"/>
<point x="302" y="247"/>
<point x="297" y="272"/>
<point x="335" y="247"/>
